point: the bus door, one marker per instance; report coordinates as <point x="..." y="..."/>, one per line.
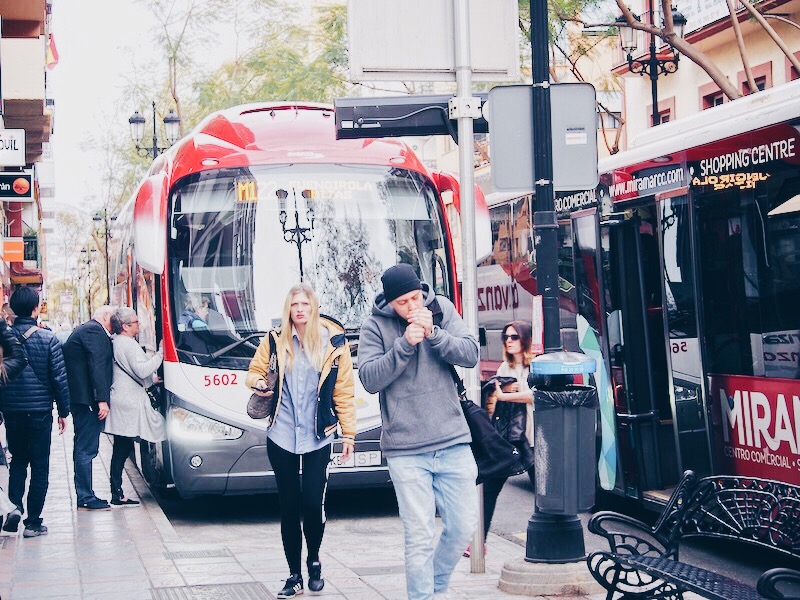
<point x="637" y="351"/>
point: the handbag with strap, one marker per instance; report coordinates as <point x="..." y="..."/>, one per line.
<point x="260" y="406"/>
<point x="496" y="457"/>
<point x="153" y="391"/>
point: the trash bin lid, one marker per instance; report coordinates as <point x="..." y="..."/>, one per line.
<point x="563" y="363"/>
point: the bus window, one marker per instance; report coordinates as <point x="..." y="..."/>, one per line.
<point x="751" y="276"/>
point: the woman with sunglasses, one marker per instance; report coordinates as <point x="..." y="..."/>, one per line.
<point x="511" y="408"/>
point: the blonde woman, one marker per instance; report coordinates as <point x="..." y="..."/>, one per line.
<point x="315" y="392"/>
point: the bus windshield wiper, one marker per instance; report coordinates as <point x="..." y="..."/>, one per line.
<point x="204" y="359"/>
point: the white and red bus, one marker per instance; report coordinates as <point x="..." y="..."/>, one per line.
<point x="255" y="199"/>
<point x="685" y="263"/>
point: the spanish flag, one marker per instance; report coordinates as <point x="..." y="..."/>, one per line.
<point x="51" y="58"/>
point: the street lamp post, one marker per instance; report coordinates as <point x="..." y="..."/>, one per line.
<point x="296" y="235"/>
<point x="172" y="128"/>
<point x="105" y="218"/>
<point x="653" y="66"/>
<point x="87" y="256"/>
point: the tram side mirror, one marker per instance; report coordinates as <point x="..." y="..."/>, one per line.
<point x="150" y="223"/>
<point x="450" y="191"/>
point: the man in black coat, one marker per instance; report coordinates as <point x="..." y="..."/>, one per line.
<point x="89" y="357"/>
<point x="12" y="363"/>
<point x="27" y="404"/>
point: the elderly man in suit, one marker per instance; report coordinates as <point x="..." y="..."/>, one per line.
<point x="89" y="357"/>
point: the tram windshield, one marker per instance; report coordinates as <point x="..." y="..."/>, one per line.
<point x="240" y="238"/>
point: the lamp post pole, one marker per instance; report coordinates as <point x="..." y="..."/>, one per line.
<point x="653" y="72"/>
<point x="155" y="135"/>
<point x="103" y="216"/>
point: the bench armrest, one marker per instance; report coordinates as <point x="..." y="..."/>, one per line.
<point x="626" y="535"/>
<point x="768" y="583"/>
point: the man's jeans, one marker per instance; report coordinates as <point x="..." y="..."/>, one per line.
<point x="87" y="444"/>
<point x="444" y="479"/>
<point x="29" y="442"/>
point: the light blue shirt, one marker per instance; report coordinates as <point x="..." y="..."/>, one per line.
<point x="294" y="428"/>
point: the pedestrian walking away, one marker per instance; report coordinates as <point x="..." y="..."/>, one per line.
<point x="407" y="348"/>
<point x="12" y="362"/>
<point x="314" y="393"/>
<point x="89" y="355"/>
<point x="509" y="401"/>
<point x="131" y="416"/>
<point x="27" y="405"/>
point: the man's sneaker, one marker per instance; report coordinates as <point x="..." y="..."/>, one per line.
<point x="293" y="587"/>
<point x="34" y="531"/>
<point x="94" y="504"/>
<point x="315" y="580"/>
<point x="12" y="521"/>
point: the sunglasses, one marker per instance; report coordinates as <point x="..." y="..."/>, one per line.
<point x="512" y="336"/>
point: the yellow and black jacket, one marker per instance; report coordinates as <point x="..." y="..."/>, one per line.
<point x="335" y="401"/>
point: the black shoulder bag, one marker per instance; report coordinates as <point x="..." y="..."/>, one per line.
<point x="153" y="392"/>
<point x="496" y="457"/>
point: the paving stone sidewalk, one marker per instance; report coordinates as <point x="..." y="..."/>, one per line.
<point x="136" y="554"/>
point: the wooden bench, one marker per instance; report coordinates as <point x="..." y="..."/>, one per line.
<point x="643" y="561"/>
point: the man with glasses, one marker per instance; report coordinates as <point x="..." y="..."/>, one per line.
<point x="88" y="354"/>
<point x="406" y="352"/>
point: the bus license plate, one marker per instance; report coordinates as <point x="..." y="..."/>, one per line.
<point x="359" y="459"/>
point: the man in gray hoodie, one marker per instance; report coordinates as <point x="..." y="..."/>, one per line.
<point x="405" y="353"/>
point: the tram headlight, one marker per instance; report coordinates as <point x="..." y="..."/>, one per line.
<point x="187" y="424"/>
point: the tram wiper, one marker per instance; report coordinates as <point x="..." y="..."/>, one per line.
<point x="224" y="350"/>
<point x="205" y="358"/>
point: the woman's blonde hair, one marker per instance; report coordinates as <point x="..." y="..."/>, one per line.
<point x="312" y="340"/>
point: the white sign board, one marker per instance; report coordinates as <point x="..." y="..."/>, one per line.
<point x="12" y="147"/>
<point x="573" y="118"/>
<point x="413" y="40"/>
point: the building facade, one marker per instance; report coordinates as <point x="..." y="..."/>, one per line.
<point x="26" y="123"/>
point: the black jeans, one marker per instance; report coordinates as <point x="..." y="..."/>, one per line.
<point x="29" y="442"/>
<point x="87" y="445"/>
<point x="306" y="501"/>
<point x="123" y="446"/>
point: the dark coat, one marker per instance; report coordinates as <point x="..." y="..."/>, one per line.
<point x="89" y="356"/>
<point x="44" y="379"/>
<point x="14" y="359"/>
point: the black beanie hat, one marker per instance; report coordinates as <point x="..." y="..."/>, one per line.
<point x="398" y="280"/>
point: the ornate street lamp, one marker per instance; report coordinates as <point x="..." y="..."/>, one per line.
<point x="172" y="128"/>
<point x="296" y="235"/>
<point x="106" y="218"/>
<point x="653" y="66"/>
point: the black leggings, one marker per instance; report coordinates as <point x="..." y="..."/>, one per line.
<point x="491" y="490"/>
<point x="306" y="501"/>
<point x="123" y="446"/>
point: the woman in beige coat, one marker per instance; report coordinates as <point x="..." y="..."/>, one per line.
<point x="130" y="416"/>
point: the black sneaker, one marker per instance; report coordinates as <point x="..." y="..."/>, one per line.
<point x="94" y="504"/>
<point x="293" y="587"/>
<point x="124" y="502"/>
<point x="34" y="531"/>
<point x="12" y="521"/>
<point x="315" y="580"/>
